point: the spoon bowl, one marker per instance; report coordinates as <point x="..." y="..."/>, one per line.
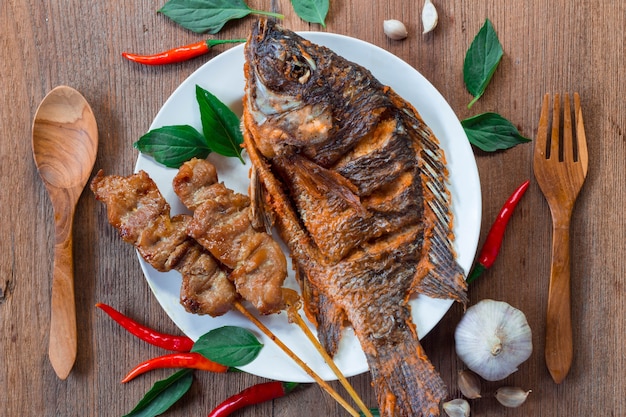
<point x="65" y="144"/>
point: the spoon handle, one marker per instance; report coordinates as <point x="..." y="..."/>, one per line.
<point x="63" y="344"/>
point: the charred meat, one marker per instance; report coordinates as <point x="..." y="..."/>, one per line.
<point x="141" y="215"/>
<point x="221" y="224"/>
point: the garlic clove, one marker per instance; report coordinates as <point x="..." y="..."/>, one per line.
<point x="492" y="339"/>
<point x="469" y="384"/>
<point x="511" y="396"/>
<point x="430" y="16"/>
<point x="395" y="29"/>
<point x="457" y="408"/>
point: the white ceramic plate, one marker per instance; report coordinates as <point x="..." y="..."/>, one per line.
<point x="223" y="76"/>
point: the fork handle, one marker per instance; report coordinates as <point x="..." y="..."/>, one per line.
<point x="559" y="345"/>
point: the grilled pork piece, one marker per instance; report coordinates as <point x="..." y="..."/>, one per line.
<point x="221" y="223"/>
<point x="357" y="184"/>
<point x="141" y="215"/>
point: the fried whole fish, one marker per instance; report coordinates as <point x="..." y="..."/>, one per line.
<point x="356" y="183"/>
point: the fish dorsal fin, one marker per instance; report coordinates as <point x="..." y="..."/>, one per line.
<point x="438" y="274"/>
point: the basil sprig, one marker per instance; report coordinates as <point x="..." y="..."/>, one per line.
<point x="491" y="132"/>
<point x="210" y="16"/>
<point x="312" y="11"/>
<point x="481" y="60"/>
<point x="174" y="145"/>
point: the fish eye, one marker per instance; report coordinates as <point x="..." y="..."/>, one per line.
<point x="296" y="70"/>
<point x="281" y="64"/>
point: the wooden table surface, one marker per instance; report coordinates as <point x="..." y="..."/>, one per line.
<point x="551" y="47"/>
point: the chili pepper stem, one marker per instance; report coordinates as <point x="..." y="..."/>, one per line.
<point x="213" y="42"/>
<point x="476" y="271"/>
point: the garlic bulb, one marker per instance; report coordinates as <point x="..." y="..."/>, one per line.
<point x="511" y="396"/>
<point x="430" y="17"/>
<point x="492" y="339"/>
<point x="395" y="29"/>
<point x="457" y="408"/>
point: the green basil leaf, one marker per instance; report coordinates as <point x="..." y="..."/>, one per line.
<point x="221" y="127"/>
<point x="229" y="345"/>
<point x="173" y="145"/>
<point x="491" y="132"/>
<point x="312" y="11"/>
<point x="374" y="411"/>
<point x="481" y="60"/>
<point x="163" y="395"/>
<point x="210" y="16"/>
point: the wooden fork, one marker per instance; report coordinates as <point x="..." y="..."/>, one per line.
<point x="560" y="165"/>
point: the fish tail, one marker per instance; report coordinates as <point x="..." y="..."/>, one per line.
<point x="407" y="384"/>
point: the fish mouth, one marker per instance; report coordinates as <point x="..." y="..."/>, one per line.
<point x="260" y="33"/>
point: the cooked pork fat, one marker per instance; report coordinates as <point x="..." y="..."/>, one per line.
<point x="221" y="224"/>
<point x="141" y="215"/>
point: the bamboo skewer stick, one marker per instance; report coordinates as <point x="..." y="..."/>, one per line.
<point x="242" y="309"/>
<point x="294" y="316"/>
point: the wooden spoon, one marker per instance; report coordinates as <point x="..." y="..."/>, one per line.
<point x="65" y="143"/>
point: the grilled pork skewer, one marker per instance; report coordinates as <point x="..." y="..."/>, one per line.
<point x="221" y="224"/>
<point x="141" y="215"/>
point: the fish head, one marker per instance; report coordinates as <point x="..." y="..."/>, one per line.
<point x="283" y="61"/>
<point x="284" y="90"/>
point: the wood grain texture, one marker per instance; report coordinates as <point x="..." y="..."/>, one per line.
<point x="550" y="47"/>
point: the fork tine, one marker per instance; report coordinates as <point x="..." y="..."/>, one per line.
<point x="580" y="134"/>
<point x="542" y="130"/>
<point x="568" y="142"/>
<point x="556" y="121"/>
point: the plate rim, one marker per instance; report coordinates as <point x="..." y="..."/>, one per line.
<point x="320" y="38"/>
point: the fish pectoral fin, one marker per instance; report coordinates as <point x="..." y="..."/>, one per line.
<point x="327" y="203"/>
<point x="321" y="182"/>
<point x="260" y="216"/>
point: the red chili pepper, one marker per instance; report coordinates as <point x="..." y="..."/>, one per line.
<point x="182" y="53"/>
<point x="162" y="340"/>
<point x="492" y="244"/>
<point x="190" y="360"/>
<point x="255" y="394"/>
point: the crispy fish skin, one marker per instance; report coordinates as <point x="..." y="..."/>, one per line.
<point x="136" y="208"/>
<point x="357" y="185"/>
